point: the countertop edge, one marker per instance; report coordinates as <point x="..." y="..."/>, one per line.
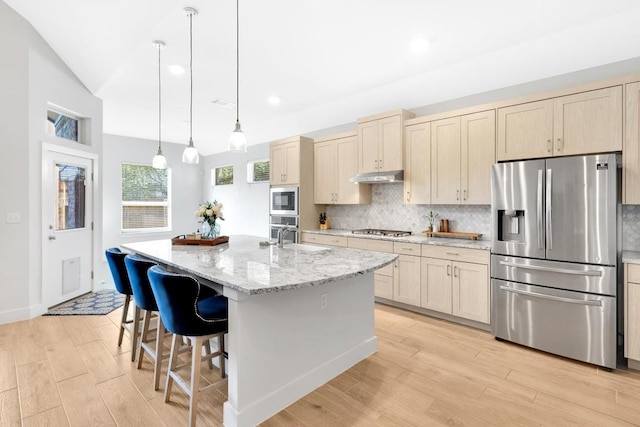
<point x="482" y="244"/>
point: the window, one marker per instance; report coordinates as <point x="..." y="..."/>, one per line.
<point x="258" y="171"/>
<point x="62" y="126"/>
<point x="223" y="175"/>
<point x="145" y="198"/>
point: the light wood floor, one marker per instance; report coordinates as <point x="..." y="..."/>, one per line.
<point x="68" y="370"/>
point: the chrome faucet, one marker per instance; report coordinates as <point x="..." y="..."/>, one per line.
<point x="282" y="232"/>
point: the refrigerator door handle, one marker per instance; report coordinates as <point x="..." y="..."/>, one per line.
<point x="549" y="218"/>
<point x="551" y="297"/>
<point x="539" y="212"/>
<point x="553" y="270"/>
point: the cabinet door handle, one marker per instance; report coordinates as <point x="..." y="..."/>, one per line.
<point x="408" y="196"/>
<point x="457" y="194"/>
<point x="448" y="270"/>
<point x="464" y="194"/>
<point x="455" y="271"/>
<point x="549" y="147"/>
<point x="559" y="144"/>
<point x="380" y="164"/>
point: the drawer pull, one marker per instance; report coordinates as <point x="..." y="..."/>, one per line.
<point x="452" y="253"/>
<point x="551" y="297"/>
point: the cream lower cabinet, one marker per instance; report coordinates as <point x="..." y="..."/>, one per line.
<point x="406" y="282"/>
<point x="632" y="314"/>
<point x="324" y="239"/>
<point x="384" y="277"/>
<point x="452" y="285"/>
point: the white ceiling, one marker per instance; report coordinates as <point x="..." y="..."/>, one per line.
<point x="330" y="61"/>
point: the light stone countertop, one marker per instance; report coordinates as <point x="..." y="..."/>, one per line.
<point x="414" y="238"/>
<point x="243" y="265"/>
<point x="631" y="257"/>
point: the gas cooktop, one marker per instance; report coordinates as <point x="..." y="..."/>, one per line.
<point x="378" y="232"/>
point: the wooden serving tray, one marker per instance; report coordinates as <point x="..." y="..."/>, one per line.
<point x="182" y="240"/>
<point x="452" y="234"/>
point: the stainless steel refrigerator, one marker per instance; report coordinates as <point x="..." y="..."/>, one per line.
<point x="556" y="244"/>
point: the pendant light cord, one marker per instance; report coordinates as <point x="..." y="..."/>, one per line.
<point x="191" y="78"/>
<point x="237" y="61"/>
<point x="159" y="103"/>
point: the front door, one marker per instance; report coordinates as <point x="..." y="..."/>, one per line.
<point x="67" y="247"/>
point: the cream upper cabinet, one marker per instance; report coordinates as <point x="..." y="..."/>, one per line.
<point x="335" y="162"/>
<point x="324" y="169"/>
<point x="525" y="131"/>
<point x="462" y="152"/>
<point x="284" y="161"/>
<point x="478" y="136"/>
<point x="588" y="122"/>
<point x="631" y="150"/>
<point x="417" y="163"/>
<point x="583" y="123"/>
<point x="445" y="161"/>
<point x="381" y="142"/>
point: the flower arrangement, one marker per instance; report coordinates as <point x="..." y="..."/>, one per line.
<point x="210" y="212"/>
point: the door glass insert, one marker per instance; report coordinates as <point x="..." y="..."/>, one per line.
<point x="70" y="197"/>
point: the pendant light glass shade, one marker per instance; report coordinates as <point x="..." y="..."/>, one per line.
<point x="190" y="154"/>
<point x="237" y="140"/>
<point x="159" y="161"/>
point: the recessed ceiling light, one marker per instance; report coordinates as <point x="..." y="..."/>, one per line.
<point x="274" y="100"/>
<point x="176" y="69"/>
<point x="419" y="45"/>
<point x="223" y="103"/>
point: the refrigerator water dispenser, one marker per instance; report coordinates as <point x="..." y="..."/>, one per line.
<point x="511" y="225"/>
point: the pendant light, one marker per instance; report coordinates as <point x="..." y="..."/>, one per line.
<point x="237" y="140"/>
<point x="190" y="154"/>
<point x="159" y="161"/>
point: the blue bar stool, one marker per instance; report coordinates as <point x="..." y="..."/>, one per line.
<point x="115" y="259"/>
<point x="145" y="300"/>
<point x="185" y="315"/>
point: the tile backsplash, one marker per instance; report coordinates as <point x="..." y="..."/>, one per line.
<point x="387" y="211"/>
<point x="631" y="227"/>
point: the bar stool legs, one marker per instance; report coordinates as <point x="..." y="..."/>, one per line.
<point x="124" y="321"/>
<point x="193" y="388"/>
<point x="156" y="354"/>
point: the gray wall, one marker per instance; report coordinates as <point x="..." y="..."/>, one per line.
<point x="246" y="206"/>
<point x="185" y="190"/>
<point x="32" y="76"/>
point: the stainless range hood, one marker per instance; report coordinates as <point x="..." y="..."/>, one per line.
<point x="378" y="177"/>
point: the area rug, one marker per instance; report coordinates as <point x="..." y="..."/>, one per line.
<point x="94" y="303"/>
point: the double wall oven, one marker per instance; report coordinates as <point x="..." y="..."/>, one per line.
<point x="284" y="211"/>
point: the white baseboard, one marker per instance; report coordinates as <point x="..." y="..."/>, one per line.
<point x="282" y="397"/>
<point x="19" y="314"/>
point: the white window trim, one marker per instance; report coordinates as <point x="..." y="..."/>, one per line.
<point x="213" y="175"/>
<point x="167" y="204"/>
<point x="250" y="176"/>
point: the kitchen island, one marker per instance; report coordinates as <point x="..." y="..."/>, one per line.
<point x="298" y="315"/>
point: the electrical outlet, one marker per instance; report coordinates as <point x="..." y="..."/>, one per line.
<point x="13" y="218"/>
<point x="323" y="301"/>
